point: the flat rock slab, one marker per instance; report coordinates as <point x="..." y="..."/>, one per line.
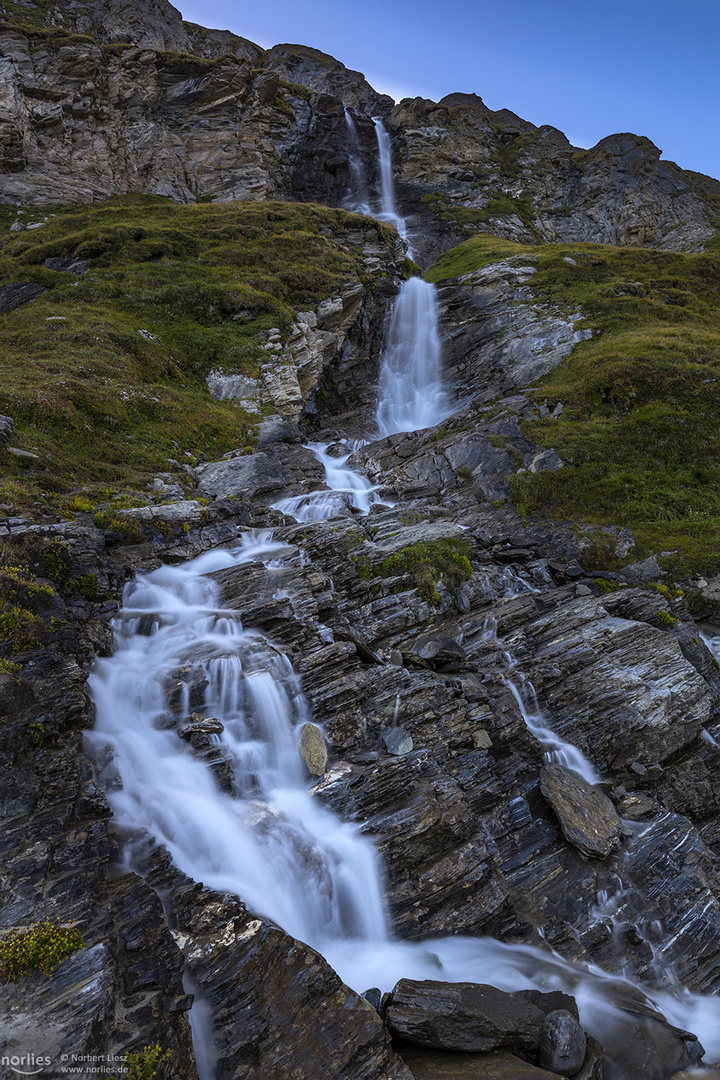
<point x="587" y="817"/>
<point x="462" y="1016"/>
<point x="495" y="1065"/>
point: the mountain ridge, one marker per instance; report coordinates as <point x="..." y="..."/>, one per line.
<point x="240" y="122"/>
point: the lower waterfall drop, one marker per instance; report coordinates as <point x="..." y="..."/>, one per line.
<point x="178" y="649"/>
<point x="411" y="394"/>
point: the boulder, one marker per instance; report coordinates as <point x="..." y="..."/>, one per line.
<point x="312" y="749"/>
<point x="397" y="741"/>
<point x="563" y="1043"/>
<point x="462" y="1016"/>
<point x="587" y="817"/>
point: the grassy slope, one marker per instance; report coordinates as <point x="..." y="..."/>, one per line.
<point x="104" y="374"/>
<point x="640" y="431"/>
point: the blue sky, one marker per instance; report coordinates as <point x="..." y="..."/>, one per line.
<point x="591" y="70"/>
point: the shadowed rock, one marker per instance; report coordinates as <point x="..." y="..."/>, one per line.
<point x="462" y="1016"/>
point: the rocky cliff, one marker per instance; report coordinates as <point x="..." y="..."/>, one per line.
<point x="115" y="97"/>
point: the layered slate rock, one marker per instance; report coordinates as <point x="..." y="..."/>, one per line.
<point x="495" y="1065"/>
<point x="461" y="1016"/>
<point x="587" y="817"/>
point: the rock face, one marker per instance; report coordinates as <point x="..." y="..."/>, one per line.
<point x="171" y="108"/>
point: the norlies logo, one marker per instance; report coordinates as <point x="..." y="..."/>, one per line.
<point x="25" y="1064"/>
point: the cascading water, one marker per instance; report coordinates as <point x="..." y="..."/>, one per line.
<point x="358" y="196"/>
<point x="347" y="488"/>
<point x="271" y="844"/>
<point x="411" y="395"/>
<point x="388" y="211"/>
<point x="171" y="620"/>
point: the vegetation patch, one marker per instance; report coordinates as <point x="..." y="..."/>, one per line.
<point x="429" y="562"/>
<point x="40" y="947"/>
<point x="144" y="1064"/>
<point x="105" y="374"/>
<point x="640" y="429"/>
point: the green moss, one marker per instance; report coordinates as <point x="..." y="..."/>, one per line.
<point x="36" y="733"/>
<point x="86" y="585"/>
<point x="128" y="529"/>
<point x="363" y="566"/>
<point x="605" y="586"/>
<point x="40" y="947"/>
<point x="464" y="473"/>
<point x="473" y="255"/>
<point x="429" y="562"/>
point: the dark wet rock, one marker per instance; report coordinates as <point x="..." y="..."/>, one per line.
<point x="262" y="988"/>
<point x="461" y="1016"/>
<point x="71" y="265"/>
<point x="397" y="741"/>
<point x="6" y="429"/>
<point x="587" y="817"/>
<point x="14" y="296"/>
<point x="592" y="1068"/>
<point x="551" y="1001"/>
<point x="563" y="1043"/>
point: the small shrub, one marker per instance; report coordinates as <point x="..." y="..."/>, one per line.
<point x="36" y="733"/>
<point x="7" y="667"/>
<point x="671" y="592"/>
<point x="664" y="618"/>
<point x="128" y="529"/>
<point x="464" y="473"/>
<point x="86" y="585"/>
<point x="36" y="948"/>
<point x="20" y="629"/>
<point x="143" y="1065"/>
<point x="606" y="586"/>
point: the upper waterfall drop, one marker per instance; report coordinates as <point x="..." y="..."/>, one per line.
<point x="388" y="210"/>
<point x="411" y="394"/>
<point x="358" y="196"/>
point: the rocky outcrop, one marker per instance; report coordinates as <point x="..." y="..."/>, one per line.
<point x="472" y="168"/>
<point x="121" y="95"/>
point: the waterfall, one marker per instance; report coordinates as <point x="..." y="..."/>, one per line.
<point x="347" y="488"/>
<point x="358" y="196"/>
<point x="388" y="210"/>
<point x="270" y="843"/>
<point x="261" y="844"/>
<point x="411" y="394"/>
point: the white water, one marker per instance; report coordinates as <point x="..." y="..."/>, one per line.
<point x="411" y="395"/>
<point x="273" y="846"/>
<point x="388" y="210"/>
<point x="347" y="488"/>
<point x="556" y="749"/>
<point x="358" y="196"/>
